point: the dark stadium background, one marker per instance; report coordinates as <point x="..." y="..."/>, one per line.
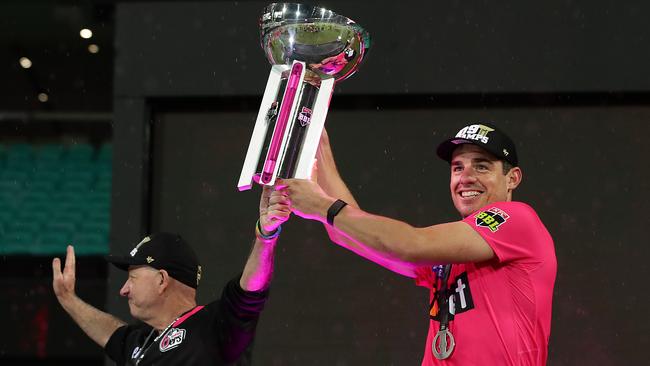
<point x="149" y="134"/>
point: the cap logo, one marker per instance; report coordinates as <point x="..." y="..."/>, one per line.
<point x="198" y="275"/>
<point x="135" y="250"/>
<point x="149" y="259"/>
<point x="476" y="133"/>
<point x="505" y="152"/>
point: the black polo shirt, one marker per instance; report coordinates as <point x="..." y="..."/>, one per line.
<point x="218" y="333"/>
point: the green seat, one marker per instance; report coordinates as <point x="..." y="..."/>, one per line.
<point x="103" y="215"/>
<point x="69" y="212"/>
<point x="41" y="186"/>
<point x="39" y="216"/>
<point x="87" y="175"/>
<point x="47" y="174"/>
<point x="40" y="194"/>
<point x="23" y="225"/>
<point x="17" y="242"/>
<point x="103" y="186"/>
<point x="14" y="175"/>
<point x="105" y="152"/>
<point x="53" y="242"/>
<point x="9" y="188"/>
<point x="64" y="227"/>
<point x="49" y="152"/>
<point x="19" y="151"/>
<point x="95" y="227"/>
<point x="6" y="215"/>
<point x="82" y="152"/>
<point x="104" y="172"/>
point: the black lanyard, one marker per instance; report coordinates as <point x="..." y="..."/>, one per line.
<point x="145" y="347"/>
<point x="441" y="293"/>
<point x="443" y="343"/>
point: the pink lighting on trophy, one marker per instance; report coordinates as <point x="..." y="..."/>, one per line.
<point x="281" y="124"/>
<point x="310" y="49"/>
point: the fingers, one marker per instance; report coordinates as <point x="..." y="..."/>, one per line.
<point x="281" y="207"/>
<point x="280" y="184"/>
<point x="70" y="261"/>
<point x="266" y="191"/>
<point x="278" y="215"/>
<point x="279" y="198"/>
<point x="285" y="184"/>
<point x="56" y="268"/>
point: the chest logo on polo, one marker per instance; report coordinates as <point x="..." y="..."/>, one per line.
<point x="460" y="298"/>
<point x="172" y="339"/>
<point x="491" y="218"/>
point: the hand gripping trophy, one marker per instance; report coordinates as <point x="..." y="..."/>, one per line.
<point x="310" y="48"/>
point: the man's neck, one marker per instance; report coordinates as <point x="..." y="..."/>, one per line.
<point x="170" y="314"/>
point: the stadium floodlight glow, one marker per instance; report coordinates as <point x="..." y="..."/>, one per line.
<point x="93" y="48"/>
<point x="43" y="97"/>
<point x="86" y="33"/>
<point x="25" y="63"/>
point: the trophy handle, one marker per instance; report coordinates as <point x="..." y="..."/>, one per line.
<point x="312" y="139"/>
<point x="287" y="110"/>
<point x="298" y="124"/>
<point x="261" y="126"/>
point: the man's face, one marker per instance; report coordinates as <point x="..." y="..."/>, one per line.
<point x="141" y="288"/>
<point x="477" y="179"/>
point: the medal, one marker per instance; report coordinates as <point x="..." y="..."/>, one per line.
<point x="443" y="344"/>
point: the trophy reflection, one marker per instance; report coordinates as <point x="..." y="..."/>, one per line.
<point x="310" y="49"/>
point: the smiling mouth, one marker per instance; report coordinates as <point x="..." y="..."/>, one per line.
<point x="470" y="194"/>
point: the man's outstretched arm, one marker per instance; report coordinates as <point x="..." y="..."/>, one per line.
<point x="98" y="325"/>
<point x="393" y="240"/>
<point x="329" y="179"/>
<point x="274" y="210"/>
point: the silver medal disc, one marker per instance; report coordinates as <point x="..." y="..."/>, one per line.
<point x="443" y="344"/>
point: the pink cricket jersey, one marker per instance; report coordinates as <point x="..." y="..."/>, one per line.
<point x="501" y="308"/>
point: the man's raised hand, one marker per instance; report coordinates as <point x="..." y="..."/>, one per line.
<point x="63" y="282"/>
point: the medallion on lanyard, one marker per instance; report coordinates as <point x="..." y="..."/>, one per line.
<point x="443" y="344"/>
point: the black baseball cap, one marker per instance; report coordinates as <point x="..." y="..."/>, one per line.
<point x="486" y="136"/>
<point x="163" y="251"/>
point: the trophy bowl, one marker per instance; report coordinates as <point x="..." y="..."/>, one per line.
<point x="331" y="45"/>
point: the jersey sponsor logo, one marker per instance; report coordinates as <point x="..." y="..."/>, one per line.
<point x="304" y="117"/>
<point x="491" y="218"/>
<point x="460" y="298"/>
<point x="476" y="133"/>
<point x="172" y="339"/>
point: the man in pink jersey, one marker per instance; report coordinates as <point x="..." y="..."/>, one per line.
<point x="490" y="274"/>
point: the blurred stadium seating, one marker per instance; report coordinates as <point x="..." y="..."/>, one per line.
<point x="53" y="194"/>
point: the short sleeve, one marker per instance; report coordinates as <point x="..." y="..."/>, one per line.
<point x="424" y="277"/>
<point x="513" y="231"/>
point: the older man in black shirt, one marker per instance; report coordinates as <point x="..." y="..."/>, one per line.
<point x="164" y="273"/>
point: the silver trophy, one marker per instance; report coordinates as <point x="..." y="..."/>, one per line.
<point x="310" y="48"/>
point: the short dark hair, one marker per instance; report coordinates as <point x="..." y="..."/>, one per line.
<point x="506" y="167"/>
